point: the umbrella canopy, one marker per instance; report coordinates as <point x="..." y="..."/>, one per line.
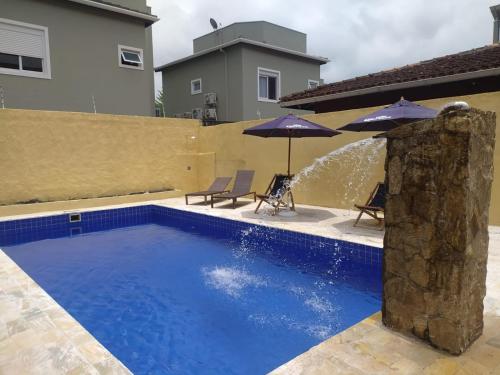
<point x="390" y="117"/>
<point x="290" y="126"/>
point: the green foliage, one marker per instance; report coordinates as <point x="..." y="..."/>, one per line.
<point x="160" y="103"/>
<point x="160" y="97"/>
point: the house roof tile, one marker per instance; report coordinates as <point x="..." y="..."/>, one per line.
<point x="483" y="58"/>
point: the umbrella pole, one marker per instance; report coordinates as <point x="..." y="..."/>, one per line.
<point x="289" y="148"/>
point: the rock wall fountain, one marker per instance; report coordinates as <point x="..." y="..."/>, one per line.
<point x="438" y="177"/>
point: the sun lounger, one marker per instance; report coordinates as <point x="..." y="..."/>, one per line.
<point x="276" y="192"/>
<point x="218" y="186"/>
<point x="241" y="187"/>
<point x="374" y="205"/>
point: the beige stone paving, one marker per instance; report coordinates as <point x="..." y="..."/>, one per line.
<point x="38" y="336"/>
<point x="322" y="221"/>
<point x="328" y="222"/>
<point x="370" y="348"/>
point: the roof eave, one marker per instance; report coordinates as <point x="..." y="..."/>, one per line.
<point x="148" y="18"/>
<point x="495" y="11"/>
<point x="236" y="23"/>
<point x="320" y="60"/>
<point x="392" y="87"/>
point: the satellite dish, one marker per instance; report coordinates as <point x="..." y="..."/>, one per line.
<point x="213" y="23"/>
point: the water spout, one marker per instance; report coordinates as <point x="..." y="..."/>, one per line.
<point x="356" y="160"/>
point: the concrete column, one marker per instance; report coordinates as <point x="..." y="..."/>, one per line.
<point x="496" y="31"/>
<point x="438" y="180"/>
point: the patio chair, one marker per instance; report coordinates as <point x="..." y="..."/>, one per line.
<point x="218" y="186"/>
<point x="275" y="193"/>
<point x="241" y="187"/>
<point x="374" y="205"/>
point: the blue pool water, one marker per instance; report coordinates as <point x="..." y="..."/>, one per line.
<point x="177" y="296"/>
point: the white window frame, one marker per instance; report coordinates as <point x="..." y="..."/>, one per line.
<point x="193" y="91"/>
<point x="46" y="73"/>
<point x="140" y="51"/>
<point x="309" y="81"/>
<point x="269" y="72"/>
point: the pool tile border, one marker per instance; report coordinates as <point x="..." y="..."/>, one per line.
<point x="31" y="229"/>
<point x="361" y="252"/>
<point x="322" y="356"/>
<point x="88" y="355"/>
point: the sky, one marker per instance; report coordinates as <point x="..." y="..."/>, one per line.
<point x="358" y="36"/>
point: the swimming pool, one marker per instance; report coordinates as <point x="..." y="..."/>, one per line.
<point x="173" y="292"/>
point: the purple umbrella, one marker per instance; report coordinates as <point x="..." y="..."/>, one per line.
<point x="399" y="113"/>
<point x="290" y="126"/>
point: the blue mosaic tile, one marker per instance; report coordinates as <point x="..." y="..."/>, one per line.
<point x="33" y="229"/>
<point x="358" y="252"/>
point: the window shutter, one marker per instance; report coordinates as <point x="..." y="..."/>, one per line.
<point x="21" y="41"/>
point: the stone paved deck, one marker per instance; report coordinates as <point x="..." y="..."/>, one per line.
<point x="370" y="348"/>
<point x="38" y="336"/>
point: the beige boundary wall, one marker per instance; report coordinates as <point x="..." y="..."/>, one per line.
<point x="49" y="156"/>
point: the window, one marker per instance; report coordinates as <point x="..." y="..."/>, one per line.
<point x="9" y="61"/>
<point x="24" y="49"/>
<point x="312" y="84"/>
<point x="196" y="86"/>
<point x="268" y="85"/>
<point x="130" y="57"/>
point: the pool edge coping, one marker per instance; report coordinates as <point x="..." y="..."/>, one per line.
<point x="137" y="204"/>
<point x="56" y="319"/>
<point x="161" y="203"/>
<point x="376" y="315"/>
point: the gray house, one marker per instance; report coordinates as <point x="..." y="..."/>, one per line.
<point x="77" y="55"/>
<point x="239" y="72"/>
<point x="495" y="11"/>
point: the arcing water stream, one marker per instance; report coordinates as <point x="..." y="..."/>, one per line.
<point x="356" y="161"/>
<point x="348" y="170"/>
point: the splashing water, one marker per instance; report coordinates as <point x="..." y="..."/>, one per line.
<point x="244" y="248"/>
<point x="230" y="280"/>
<point x="314" y="329"/>
<point x="360" y="156"/>
<point x="319" y="304"/>
<point x="250" y="240"/>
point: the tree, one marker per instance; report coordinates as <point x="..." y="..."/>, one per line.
<point x="160" y="104"/>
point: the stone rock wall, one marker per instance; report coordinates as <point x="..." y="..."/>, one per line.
<point x="438" y="177"/>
